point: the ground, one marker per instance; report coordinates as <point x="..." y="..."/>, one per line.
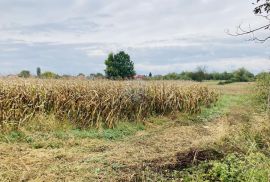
<point x="131" y="151"/>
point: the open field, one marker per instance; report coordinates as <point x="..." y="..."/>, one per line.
<point x="161" y="148"/>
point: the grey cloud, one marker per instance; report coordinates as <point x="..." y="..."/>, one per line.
<point x="72" y="36"/>
<point x="89" y="57"/>
<point x="73" y="25"/>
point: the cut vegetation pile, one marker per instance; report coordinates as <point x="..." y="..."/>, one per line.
<point x="97" y="103"/>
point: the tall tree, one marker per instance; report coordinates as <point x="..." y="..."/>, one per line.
<point x="119" y="66"/>
<point x="38" y="71"/>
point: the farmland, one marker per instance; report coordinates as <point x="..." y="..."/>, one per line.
<point x="98" y="103"/>
<point x="172" y="144"/>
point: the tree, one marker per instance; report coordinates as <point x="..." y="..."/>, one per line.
<point x="199" y="74"/>
<point x="93" y="76"/>
<point x="81" y="75"/>
<point x="49" y="75"/>
<point x="24" y="74"/>
<point x="262" y="9"/>
<point x="38" y="71"/>
<point x="242" y="75"/>
<point x="150" y="75"/>
<point x="119" y="66"/>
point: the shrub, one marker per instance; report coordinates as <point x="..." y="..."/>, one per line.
<point x="24" y="74"/>
<point x="263" y="87"/>
<point x="49" y="75"/>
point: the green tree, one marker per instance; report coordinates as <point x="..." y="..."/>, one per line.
<point x="96" y="76"/>
<point x="198" y="75"/>
<point x="24" y="74"/>
<point x="242" y="75"/>
<point x="119" y="66"/>
<point x="81" y="75"/>
<point x="49" y="75"/>
<point x="38" y="71"/>
<point x="150" y="75"/>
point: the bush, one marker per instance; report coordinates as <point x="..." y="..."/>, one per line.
<point x="263" y="87"/>
<point x="225" y="82"/>
<point x="234" y="167"/>
<point x="24" y="74"/>
<point x="242" y="75"/>
<point x="49" y="75"/>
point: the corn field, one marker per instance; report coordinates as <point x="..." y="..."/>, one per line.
<point x="96" y="103"/>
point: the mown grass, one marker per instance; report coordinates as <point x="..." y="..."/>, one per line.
<point x="56" y="138"/>
<point x="120" y="131"/>
<point x="220" y="108"/>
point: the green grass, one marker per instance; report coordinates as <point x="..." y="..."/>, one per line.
<point x="122" y="130"/>
<point x="220" y="108"/>
<point x="13" y="136"/>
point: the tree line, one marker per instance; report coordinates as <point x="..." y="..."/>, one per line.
<point x="52" y="75"/>
<point x="120" y="67"/>
<point x="239" y="75"/>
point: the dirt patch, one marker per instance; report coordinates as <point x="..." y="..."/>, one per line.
<point x="194" y="157"/>
<point x="100" y="149"/>
<point x="181" y="161"/>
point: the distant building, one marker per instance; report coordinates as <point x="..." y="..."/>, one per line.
<point x="81" y="77"/>
<point x="12" y="76"/>
<point x="139" y="77"/>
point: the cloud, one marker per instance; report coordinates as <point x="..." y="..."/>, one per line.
<point x="72" y="36"/>
<point x="73" y="25"/>
<point x="255" y="64"/>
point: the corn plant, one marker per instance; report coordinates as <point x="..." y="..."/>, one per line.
<point x="95" y="103"/>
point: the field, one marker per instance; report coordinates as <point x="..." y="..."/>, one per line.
<point x="98" y="103"/>
<point x="131" y="131"/>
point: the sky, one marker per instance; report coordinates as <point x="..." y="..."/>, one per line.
<point x="161" y="36"/>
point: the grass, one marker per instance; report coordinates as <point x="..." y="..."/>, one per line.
<point x="247" y="156"/>
<point x="122" y="130"/>
<point x="245" y="146"/>
<point x="220" y="109"/>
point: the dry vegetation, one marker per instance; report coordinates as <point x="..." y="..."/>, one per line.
<point x="230" y="135"/>
<point x="98" y="103"/>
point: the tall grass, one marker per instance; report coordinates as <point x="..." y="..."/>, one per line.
<point x="96" y="103"/>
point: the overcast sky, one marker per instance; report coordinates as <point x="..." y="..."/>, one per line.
<point x="74" y="36"/>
